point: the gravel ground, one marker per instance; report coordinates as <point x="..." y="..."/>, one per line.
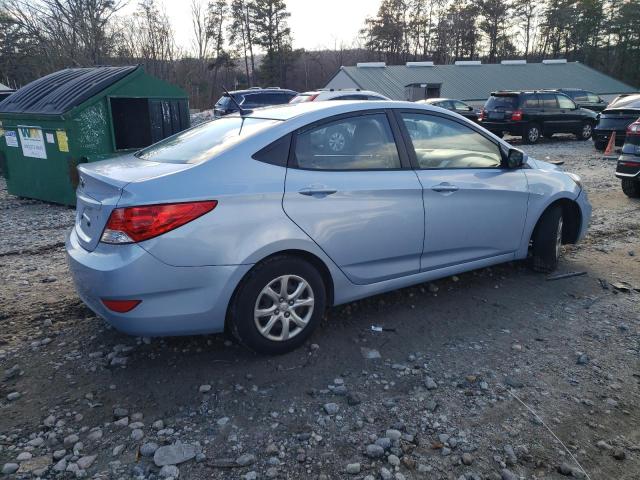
<point x="483" y="377"/>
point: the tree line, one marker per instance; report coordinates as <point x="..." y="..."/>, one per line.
<point x="244" y="43"/>
<point x="604" y="34"/>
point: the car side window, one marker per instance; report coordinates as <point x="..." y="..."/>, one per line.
<point x="592" y="97"/>
<point x="531" y="101"/>
<point x="548" y="101"/>
<point x="440" y="143"/>
<point x="461" y="107"/>
<point x="363" y="142"/>
<point x="350" y="97"/>
<point x="565" y="102"/>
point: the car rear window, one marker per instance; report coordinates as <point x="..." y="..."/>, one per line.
<point x="204" y="141"/>
<point x="632" y="101"/>
<point x="501" y="102"/>
<point x="225" y="101"/>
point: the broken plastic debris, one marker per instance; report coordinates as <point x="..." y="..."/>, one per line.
<point x="376" y="328"/>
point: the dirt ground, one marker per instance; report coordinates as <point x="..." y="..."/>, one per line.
<point x="481" y="378"/>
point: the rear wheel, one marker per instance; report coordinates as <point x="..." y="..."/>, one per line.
<point x="531" y="134"/>
<point x="631" y="187"/>
<point x="547" y="241"/>
<point x="278" y="305"/>
<point x="585" y="131"/>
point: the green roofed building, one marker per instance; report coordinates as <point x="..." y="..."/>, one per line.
<point x="473" y="81"/>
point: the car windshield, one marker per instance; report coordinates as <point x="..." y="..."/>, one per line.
<point x="225" y="100"/>
<point x="204" y="141"/>
<point x="501" y="102"/>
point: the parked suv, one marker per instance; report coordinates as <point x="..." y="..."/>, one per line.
<point x="332" y="94"/>
<point x="532" y="114"/>
<point x="583" y="98"/>
<point x="628" y="169"/>
<point x="252" y="98"/>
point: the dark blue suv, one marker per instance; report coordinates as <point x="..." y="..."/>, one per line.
<point x="252" y="98"/>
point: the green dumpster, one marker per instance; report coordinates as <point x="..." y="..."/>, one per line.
<point x="82" y="115"/>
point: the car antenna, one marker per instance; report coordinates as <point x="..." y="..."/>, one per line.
<point x="242" y="111"/>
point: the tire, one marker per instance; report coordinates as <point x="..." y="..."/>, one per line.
<point x="252" y="297"/>
<point x="585" y="131"/>
<point x="600" y="145"/>
<point x="547" y="240"/>
<point x="531" y="134"/>
<point x="631" y="187"/>
<point x="337" y="139"/>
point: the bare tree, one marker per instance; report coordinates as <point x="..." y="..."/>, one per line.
<point x="200" y="21"/>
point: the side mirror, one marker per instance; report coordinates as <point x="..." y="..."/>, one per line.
<point x="515" y="158"/>
<point x="470" y="108"/>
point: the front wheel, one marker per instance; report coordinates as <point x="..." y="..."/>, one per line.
<point x="585" y="132"/>
<point x="278" y="305"/>
<point x="547" y="241"/>
<point x="631" y="187"/>
<point x="531" y="134"/>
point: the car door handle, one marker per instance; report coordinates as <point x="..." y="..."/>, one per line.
<point x="444" y="187"/>
<point x="320" y="191"/>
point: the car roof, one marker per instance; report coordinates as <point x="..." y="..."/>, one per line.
<point x="261" y="90"/>
<point x="325" y="109"/>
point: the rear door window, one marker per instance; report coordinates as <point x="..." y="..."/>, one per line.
<point x="548" y="101"/>
<point x="362" y="142"/>
<point x="592" y="97"/>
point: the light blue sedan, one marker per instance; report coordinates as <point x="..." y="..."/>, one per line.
<point x="256" y="223"/>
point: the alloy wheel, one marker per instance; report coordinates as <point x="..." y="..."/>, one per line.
<point x="284" y="308"/>
<point x="533" y="134"/>
<point x="337" y="141"/>
<point x="586" y="130"/>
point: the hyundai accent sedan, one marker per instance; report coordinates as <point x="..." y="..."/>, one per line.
<point x="256" y="223"/>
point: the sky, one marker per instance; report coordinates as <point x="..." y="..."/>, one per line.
<point x="314" y="23"/>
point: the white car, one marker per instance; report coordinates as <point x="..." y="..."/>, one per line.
<point x="331" y="94"/>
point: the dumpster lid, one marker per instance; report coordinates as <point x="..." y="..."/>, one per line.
<point x="59" y="92"/>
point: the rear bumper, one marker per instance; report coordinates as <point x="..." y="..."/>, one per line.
<point x="628" y="166"/>
<point x="602" y="136"/>
<point x="514" y="128"/>
<point x="175" y="300"/>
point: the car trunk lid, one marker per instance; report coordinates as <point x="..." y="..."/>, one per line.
<point x="615" y="119"/>
<point x="100" y="188"/>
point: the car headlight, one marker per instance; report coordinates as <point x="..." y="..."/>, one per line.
<point x="575" y="178"/>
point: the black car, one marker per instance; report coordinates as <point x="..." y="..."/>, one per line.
<point x="532" y="114"/>
<point x="457" y="106"/>
<point x="254" y="97"/>
<point x="616" y="118"/>
<point x="628" y="168"/>
<point x="584" y="98"/>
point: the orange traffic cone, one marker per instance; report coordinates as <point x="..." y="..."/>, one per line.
<point x="609" y="152"/>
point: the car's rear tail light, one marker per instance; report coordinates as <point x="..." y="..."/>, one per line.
<point x="516" y="116"/>
<point x="121" y="306"/>
<point x="628" y="163"/>
<point x="135" y="224"/>
<point x="312" y="97"/>
<point x="634" y="128"/>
